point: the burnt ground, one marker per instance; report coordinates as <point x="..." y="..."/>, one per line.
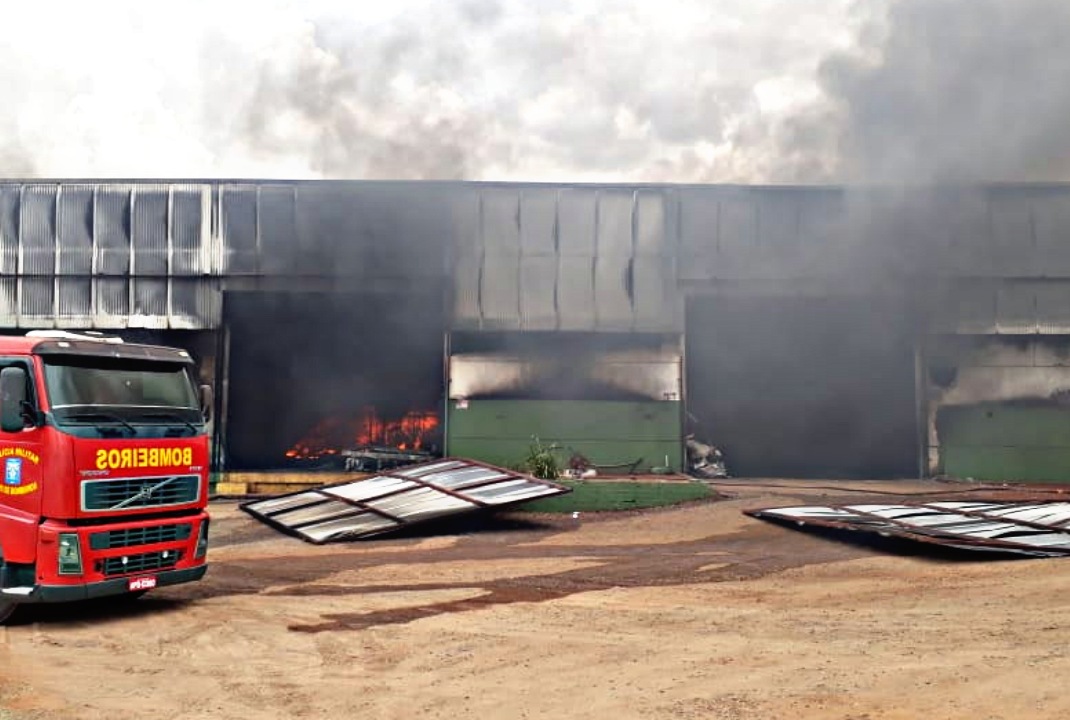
<point x="697" y="611"/>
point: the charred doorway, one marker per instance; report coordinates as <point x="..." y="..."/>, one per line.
<point x="804" y="387"/>
<point x="312" y="374"/>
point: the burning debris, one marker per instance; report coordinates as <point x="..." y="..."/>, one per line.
<point x="1035" y="529"/>
<point x="370" y="443"/>
<point x="398" y="499"/>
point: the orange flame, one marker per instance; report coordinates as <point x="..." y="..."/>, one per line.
<point x="328" y="436"/>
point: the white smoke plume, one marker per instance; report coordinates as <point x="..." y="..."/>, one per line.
<point x="749" y="91"/>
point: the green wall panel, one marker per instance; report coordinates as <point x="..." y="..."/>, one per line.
<point x="501" y="431"/>
<point x="1004" y="442"/>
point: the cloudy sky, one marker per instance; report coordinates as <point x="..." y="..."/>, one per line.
<point x="749" y="91"/>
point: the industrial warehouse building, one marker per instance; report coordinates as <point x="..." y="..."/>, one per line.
<point x="807" y="332"/>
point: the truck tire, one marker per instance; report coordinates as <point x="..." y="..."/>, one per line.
<point x="7" y="609"/>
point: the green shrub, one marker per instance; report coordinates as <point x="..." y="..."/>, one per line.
<point x="541" y="461"/>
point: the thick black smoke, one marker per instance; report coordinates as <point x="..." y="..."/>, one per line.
<point x="954" y="91"/>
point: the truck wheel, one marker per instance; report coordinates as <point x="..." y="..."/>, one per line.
<point x="7" y="609"/>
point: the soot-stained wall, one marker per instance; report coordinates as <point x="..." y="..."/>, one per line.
<point x="999" y="407"/>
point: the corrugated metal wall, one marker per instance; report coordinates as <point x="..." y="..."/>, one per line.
<point x="544" y="258"/>
<point x="524" y="257"/>
<point x="106" y="256"/>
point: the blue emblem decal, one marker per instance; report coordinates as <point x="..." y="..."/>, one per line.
<point x="13" y="471"/>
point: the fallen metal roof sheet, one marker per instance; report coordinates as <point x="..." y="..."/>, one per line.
<point x="398" y="498"/>
<point x="1038" y="529"/>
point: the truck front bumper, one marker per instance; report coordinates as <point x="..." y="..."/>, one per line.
<point x="104" y="588"/>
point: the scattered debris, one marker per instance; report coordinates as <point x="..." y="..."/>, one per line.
<point x="1037" y="529"/>
<point x="376" y="458"/>
<point x="399" y="498"/>
<point x="580" y="468"/>
<point x="704" y="460"/>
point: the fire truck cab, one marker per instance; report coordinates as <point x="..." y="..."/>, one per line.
<point x="104" y="455"/>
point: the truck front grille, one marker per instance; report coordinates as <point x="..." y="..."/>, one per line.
<point x="139" y="493"/>
<point x="139" y="536"/>
<point x="127" y="564"/>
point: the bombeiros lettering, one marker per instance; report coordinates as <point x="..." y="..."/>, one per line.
<point x="122" y="458"/>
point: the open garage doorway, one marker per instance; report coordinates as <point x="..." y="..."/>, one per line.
<point x="804" y="387"/>
<point x="311" y="374"/>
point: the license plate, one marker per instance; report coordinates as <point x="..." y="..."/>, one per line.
<point x="142" y="583"/>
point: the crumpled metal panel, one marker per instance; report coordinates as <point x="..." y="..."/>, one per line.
<point x="576" y="250"/>
<point x="149" y="230"/>
<point x="149" y="303"/>
<point x="37" y="256"/>
<point x="501" y="222"/>
<point x="699" y="220"/>
<point x="9" y="300"/>
<point x="650" y="224"/>
<point x="1024" y="528"/>
<point x="196" y="304"/>
<point x="278" y="228"/>
<point x="538" y="292"/>
<point x="1016" y="308"/>
<point x="467" y="272"/>
<point x="576" y="210"/>
<point x="500" y="290"/>
<point x="239" y="229"/>
<point x="111" y="230"/>
<point x="653" y="270"/>
<point x="538" y="259"/>
<point x="575" y="292"/>
<point x="190" y="230"/>
<point x="737" y="236"/>
<point x="37" y="226"/>
<point x="615" y="247"/>
<point x="538" y="220"/>
<point x="1012" y="235"/>
<point x="74" y="306"/>
<point x="961" y="235"/>
<point x="9" y="255"/>
<point x="37" y="301"/>
<point x="112" y="302"/>
<point x="967" y="307"/>
<point x="9" y="229"/>
<point x="1053" y="307"/>
<point x="654" y="292"/>
<point x="778" y="222"/>
<point x="1051" y="228"/>
<point x="398" y="499"/>
<point x="74" y="239"/>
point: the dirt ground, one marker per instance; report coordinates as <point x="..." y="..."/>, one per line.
<point x="694" y="612"/>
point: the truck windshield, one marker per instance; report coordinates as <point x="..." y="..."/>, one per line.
<point x="121" y="396"/>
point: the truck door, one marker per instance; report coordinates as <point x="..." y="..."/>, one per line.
<point x="21" y="464"/>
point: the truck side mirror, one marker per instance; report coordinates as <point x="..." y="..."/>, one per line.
<point x="207" y="402"/>
<point x="12" y="399"/>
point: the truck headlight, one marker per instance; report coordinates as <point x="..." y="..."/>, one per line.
<point x="70" y="554"/>
<point x="202" y="541"/>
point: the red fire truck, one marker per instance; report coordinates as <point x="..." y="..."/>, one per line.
<point x="104" y="453"/>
